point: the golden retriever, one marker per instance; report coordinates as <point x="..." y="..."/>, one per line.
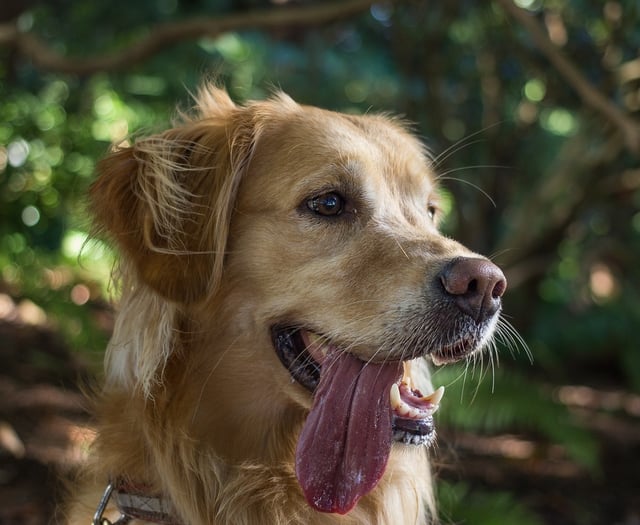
<point x="283" y="286"/>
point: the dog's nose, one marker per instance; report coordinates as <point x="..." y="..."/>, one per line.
<point x="476" y="286"/>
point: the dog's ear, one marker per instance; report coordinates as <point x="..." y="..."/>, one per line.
<point x="167" y="200"/>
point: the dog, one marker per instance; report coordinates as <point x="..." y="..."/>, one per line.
<point x="284" y="289"/>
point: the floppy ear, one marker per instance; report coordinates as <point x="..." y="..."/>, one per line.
<point x="167" y="200"/>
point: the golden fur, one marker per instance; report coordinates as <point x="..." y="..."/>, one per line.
<point x="216" y="248"/>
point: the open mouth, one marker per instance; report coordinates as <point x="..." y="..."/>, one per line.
<point x="359" y="409"/>
<point x="302" y="352"/>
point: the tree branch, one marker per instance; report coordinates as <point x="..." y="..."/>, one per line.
<point x="629" y="128"/>
<point x="570" y="186"/>
<point x="166" y="35"/>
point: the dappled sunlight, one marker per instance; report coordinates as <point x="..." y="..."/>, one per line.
<point x="25" y="311"/>
<point x="533" y="457"/>
<point x="599" y="400"/>
<point x="507" y="446"/>
<point x="604" y="284"/>
<point x="80" y="294"/>
<point x="10" y="441"/>
<point x="61" y="442"/>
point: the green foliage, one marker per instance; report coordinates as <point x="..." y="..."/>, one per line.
<point x="511" y="402"/>
<point x="461" y="505"/>
<point x="69" y="295"/>
<point x="50" y="140"/>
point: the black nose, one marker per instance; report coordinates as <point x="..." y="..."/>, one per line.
<point x="475" y="285"/>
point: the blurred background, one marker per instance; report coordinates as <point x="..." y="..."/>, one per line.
<point x="532" y="111"/>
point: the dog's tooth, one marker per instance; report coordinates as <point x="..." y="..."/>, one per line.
<point x="435" y="397"/>
<point x="406" y="375"/>
<point x="394" y="393"/>
<point x="432" y="410"/>
<point x="438" y="395"/>
<point x="405" y="410"/>
<point x="438" y="361"/>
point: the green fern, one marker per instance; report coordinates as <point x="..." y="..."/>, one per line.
<point x="509" y="401"/>
<point x="461" y="505"/>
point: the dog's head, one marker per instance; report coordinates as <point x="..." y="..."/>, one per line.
<point x="305" y="242"/>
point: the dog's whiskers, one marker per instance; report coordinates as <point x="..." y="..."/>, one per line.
<point x="445" y="176"/>
<point x="507" y="334"/>
<point x="461" y="144"/>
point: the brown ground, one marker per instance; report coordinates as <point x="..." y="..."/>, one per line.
<point x="44" y="431"/>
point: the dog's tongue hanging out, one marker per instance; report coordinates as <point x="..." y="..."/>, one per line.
<point x="345" y="443"/>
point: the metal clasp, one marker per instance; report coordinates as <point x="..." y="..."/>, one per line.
<point x="99" y="519"/>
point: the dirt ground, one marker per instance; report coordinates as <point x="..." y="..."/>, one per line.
<point x="44" y="432"/>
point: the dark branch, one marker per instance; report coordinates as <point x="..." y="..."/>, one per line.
<point x="629" y="128"/>
<point x="166" y="35"/>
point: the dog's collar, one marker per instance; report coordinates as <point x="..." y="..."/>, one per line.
<point x="135" y="501"/>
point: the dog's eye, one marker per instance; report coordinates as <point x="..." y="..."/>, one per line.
<point x="432" y="210"/>
<point x="328" y="204"/>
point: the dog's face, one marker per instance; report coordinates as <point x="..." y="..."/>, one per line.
<point x="335" y="230"/>
<point x="336" y="286"/>
<point x="335" y="234"/>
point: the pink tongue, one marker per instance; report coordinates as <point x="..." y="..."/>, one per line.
<point x="345" y="443"/>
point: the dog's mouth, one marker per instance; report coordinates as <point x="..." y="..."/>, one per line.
<point x="359" y="410"/>
<point x="302" y="352"/>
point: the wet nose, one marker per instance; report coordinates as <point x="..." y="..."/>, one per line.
<point x="476" y="286"/>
